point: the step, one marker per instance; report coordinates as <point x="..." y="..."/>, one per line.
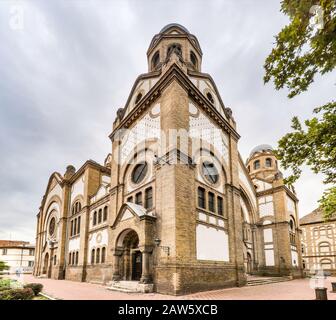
<point x="262" y="281"/>
<point x="130" y="287"/>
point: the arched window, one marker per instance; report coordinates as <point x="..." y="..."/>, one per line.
<point x="105" y="214"/>
<point x="292" y="224"/>
<point x="210" y="97"/>
<point x="155" y="59"/>
<point x="76" y="258"/>
<point x="76" y="207"/>
<point x="323" y="231"/>
<point x="55" y="259"/>
<point x="174" y="47"/>
<point x="78" y="225"/>
<point x="256" y="165"/>
<point x="138" y="198"/>
<point x="268" y="162"/>
<point x="324" y="247"/>
<point x="94" y="218"/>
<point x="326" y="264"/>
<point x="130" y="199"/>
<point x="75" y="227"/>
<point x="100" y="216"/>
<point x="93" y="256"/>
<point x="316" y="234"/>
<point x="71" y="229"/>
<point x="201" y="197"/>
<point x="220" y="206"/>
<point x="73" y="258"/>
<point x="329" y="232"/>
<point x="193" y="59"/>
<point x="98" y="256"/>
<point x="149" y="198"/>
<point x="69" y="262"/>
<point x="103" y="255"/>
<point x="211" y="201"/>
<point x="138" y="98"/>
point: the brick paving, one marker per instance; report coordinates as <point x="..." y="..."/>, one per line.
<point x="290" y="290"/>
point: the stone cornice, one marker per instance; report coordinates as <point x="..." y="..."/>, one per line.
<point x="278" y="189"/>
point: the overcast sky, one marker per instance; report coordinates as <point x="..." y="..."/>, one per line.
<point x="69" y="65"/>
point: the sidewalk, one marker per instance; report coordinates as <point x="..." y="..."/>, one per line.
<point x="289" y="290"/>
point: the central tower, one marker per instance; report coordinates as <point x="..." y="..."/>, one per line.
<point x="177" y="128"/>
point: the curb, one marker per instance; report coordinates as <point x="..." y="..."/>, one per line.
<point x="46" y="296"/>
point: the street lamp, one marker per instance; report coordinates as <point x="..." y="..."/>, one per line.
<point x="166" y="249"/>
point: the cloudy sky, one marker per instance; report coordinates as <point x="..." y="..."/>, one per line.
<point x="66" y="67"/>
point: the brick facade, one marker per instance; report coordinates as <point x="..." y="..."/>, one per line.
<point x="182" y="213"/>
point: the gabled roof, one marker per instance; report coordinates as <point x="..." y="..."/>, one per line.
<point x="314" y="217"/>
<point x="175" y="73"/>
<point x="132" y="209"/>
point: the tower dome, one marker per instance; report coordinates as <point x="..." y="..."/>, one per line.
<point x="171" y="25"/>
<point x="261" y="148"/>
<point x="174" y="37"/>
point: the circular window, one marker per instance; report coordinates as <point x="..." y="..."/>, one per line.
<point x="139" y="172"/>
<point x="210" y="172"/>
<point x="52" y="226"/>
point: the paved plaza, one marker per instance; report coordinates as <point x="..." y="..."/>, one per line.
<point x="290" y="290"/>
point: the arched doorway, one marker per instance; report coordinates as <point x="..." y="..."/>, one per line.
<point x="131" y="259"/>
<point x="45" y="264"/>
<point x="249" y="263"/>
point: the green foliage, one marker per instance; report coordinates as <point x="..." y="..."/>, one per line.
<point x="315" y="146"/>
<point x="301" y="51"/>
<point x="36" y="287"/>
<point x="17" y="294"/>
<point x="5" y="283"/>
<point x="328" y="202"/>
<point x="3" y="266"/>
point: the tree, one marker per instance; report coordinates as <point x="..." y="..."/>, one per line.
<point x="3" y="266"/>
<point x="304" y="48"/>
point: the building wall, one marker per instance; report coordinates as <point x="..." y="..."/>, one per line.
<point x="15" y="258"/>
<point x="184" y="247"/>
<point x="319" y="246"/>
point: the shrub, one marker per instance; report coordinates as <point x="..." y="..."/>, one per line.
<point x="36" y="287"/>
<point x="17" y="294"/>
<point x="5" y="283"/>
<point x="4" y="288"/>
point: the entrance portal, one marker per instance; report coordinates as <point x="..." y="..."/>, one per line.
<point x="131" y="258"/>
<point x="45" y="264"/>
<point x="249" y="263"/>
<point x="137" y="265"/>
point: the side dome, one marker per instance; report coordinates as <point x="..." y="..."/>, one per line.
<point x="261" y="148"/>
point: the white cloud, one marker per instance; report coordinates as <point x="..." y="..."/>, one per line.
<point x="72" y="66"/>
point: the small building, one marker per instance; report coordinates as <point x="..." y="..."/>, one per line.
<point x="17" y="255"/>
<point x="318" y="242"/>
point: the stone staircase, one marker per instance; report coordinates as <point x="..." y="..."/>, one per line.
<point x="258" y="281"/>
<point x="130" y="287"/>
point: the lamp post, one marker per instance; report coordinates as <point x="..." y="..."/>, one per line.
<point x="166" y="249"/>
